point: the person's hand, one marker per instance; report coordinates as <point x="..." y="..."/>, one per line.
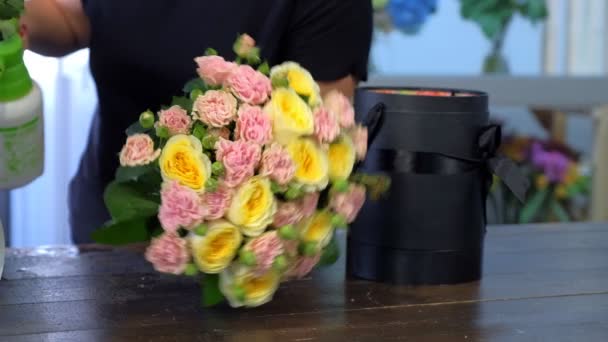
<point x="344" y="85"/>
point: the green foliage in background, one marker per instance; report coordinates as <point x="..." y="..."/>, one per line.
<point x="10" y="11"/>
<point x="493" y="16"/>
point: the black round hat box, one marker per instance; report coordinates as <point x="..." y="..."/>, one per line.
<point x="429" y="227"/>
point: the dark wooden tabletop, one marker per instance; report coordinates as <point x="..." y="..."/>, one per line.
<point x="541" y="283"/>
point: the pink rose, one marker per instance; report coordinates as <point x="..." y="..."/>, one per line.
<point x="180" y="207"/>
<point x="168" y="253"/>
<point x="277" y="164"/>
<point x="327" y="127"/>
<point x="359" y="137"/>
<point x="287" y="213"/>
<point x="302" y="266"/>
<point x="239" y="159"/>
<point x="244" y="45"/>
<point x="348" y="203"/>
<point x="176" y="119"/>
<point x="138" y="150"/>
<point x="253" y="125"/>
<point x="222" y="132"/>
<point x="217" y="203"/>
<point x="249" y="85"/>
<point x="266" y="248"/>
<point x="215" y="108"/>
<point x="214" y="69"/>
<point x="294" y="211"/>
<point x="309" y="203"/>
<point x="339" y="104"/>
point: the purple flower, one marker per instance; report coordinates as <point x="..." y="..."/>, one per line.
<point x="554" y="164"/>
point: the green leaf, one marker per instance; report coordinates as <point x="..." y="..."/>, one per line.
<point x="211" y="290"/>
<point x="11" y="9"/>
<point x="558" y="210"/>
<point x="135" y="128"/>
<point x="128" y="174"/>
<point x="8" y="28"/>
<point x="183" y="102"/>
<point x="533" y="206"/>
<point x="264" y="68"/>
<point x="199" y="130"/>
<point x="124" y="202"/>
<point x="535" y="10"/>
<point x="331" y="253"/>
<point x="122" y="232"/>
<point x="195" y="83"/>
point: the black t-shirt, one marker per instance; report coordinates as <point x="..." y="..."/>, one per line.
<point x="142" y="53"/>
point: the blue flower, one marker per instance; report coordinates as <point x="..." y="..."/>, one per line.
<point x="409" y="15"/>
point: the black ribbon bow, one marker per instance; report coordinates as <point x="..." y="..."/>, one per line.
<point x="503" y="167"/>
<point x="488" y="142"/>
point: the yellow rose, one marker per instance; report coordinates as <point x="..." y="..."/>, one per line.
<point x="342" y="156"/>
<point x="541" y="182"/>
<point x="242" y="287"/>
<point x="572" y="174"/>
<point x="182" y="159"/>
<point x="561" y="192"/>
<point x="214" y="251"/>
<point x="291" y="116"/>
<point x="298" y="79"/>
<point x="318" y="229"/>
<point x="310" y="162"/>
<point x="253" y="206"/>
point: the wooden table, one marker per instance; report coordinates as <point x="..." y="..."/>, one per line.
<point x="541" y="283"/>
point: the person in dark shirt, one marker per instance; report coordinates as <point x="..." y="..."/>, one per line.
<point x="142" y="52"/>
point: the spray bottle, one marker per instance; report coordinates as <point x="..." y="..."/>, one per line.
<point x="21" y="120"/>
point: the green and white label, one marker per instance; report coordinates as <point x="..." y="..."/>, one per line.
<point x="21" y="152"/>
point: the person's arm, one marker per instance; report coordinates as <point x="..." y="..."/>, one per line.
<point x="345" y="85"/>
<point x="332" y="39"/>
<point x="55" y="27"/>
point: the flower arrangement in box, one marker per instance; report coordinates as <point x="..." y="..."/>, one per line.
<point x="244" y="180"/>
<point x="561" y="184"/>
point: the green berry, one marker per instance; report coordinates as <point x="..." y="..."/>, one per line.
<point x="209" y="142"/>
<point x="280" y="263"/>
<point x="275" y="187"/>
<point x="293" y="193"/>
<point x="194" y="94"/>
<point x="162" y="132"/>
<point x="341" y="185"/>
<point x="288" y="232"/>
<point x="217" y="168"/>
<point x="239" y="293"/>
<point x="338" y="221"/>
<point x="146" y="119"/>
<point x="201" y="230"/>
<point x="211" y="184"/>
<point x="308" y="248"/>
<point x="247" y="258"/>
<point x="191" y="270"/>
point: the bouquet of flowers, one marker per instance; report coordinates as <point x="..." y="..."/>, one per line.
<point x="561" y="185"/>
<point x="244" y="180"/>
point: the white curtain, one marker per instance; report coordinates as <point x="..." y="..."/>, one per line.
<point x="575" y="38"/>
<point x="39" y="211"/>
